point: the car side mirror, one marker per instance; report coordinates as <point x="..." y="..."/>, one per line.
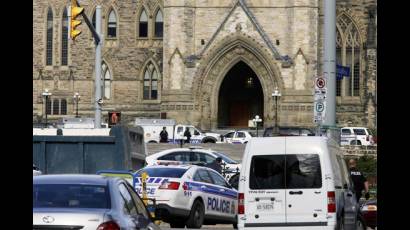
<point x="196" y="133"/>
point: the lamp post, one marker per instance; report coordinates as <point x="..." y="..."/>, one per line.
<point x="256" y="120"/>
<point x="76" y="98"/>
<point x="276" y="94"/>
<point x="46" y="94"/>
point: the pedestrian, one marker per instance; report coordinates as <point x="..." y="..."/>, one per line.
<point x="359" y="180"/>
<point x="216" y="165"/>
<point x="187" y="134"/>
<point x="163" y="135"/>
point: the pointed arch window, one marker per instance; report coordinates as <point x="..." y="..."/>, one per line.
<point x="49" y="39"/>
<point x="48" y="107"/>
<point x="150" y="83"/>
<point x="106" y="81"/>
<point x="348" y="53"/>
<point x="63" y="107"/>
<point x="112" y="25"/>
<point x="56" y="107"/>
<point x="64" y="39"/>
<point x="159" y="25"/>
<point x="143" y="25"/>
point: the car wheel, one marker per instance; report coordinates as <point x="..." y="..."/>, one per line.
<point x="177" y="224"/>
<point x="235" y="226"/>
<point x="196" y="216"/>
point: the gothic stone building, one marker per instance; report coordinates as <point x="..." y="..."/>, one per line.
<point x="211" y="63"/>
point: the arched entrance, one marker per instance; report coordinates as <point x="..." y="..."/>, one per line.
<point x="240" y="97"/>
<point x="230" y="54"/>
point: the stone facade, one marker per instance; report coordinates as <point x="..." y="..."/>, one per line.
<point x="281" y="40"/>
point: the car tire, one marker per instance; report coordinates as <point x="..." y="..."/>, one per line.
<point x="209" y="140"/>
<point x="235" y="226"/>
<point x="177" y="224"/>
<point x="355" y="142"/>
<point x="196" y="216"/>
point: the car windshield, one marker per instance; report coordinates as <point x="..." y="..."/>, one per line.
<point x="252" y="134"/>
<point x="225" y="158"/>
<point x="71" y="196"/>
<point x="163" y="172"/>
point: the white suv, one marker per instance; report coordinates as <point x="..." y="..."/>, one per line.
<point x="356" y="136"/>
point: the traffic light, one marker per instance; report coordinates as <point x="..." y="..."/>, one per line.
<point x="75" y="11"/>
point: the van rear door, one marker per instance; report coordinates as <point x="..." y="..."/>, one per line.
<point x="306" y="195"/>
<point x="264" y="197"/>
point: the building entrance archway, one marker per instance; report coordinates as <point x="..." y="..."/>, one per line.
<point x="240" y="97"/>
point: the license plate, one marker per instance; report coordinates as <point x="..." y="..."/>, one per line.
<point x="265" y="206"/>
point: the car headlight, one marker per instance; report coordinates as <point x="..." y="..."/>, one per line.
<point x="369" y="208"/>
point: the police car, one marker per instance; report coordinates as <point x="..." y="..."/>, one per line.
<point x="194" y="155"/>
<point x="189" y="195"/>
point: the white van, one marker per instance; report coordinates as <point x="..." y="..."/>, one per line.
<point x="356" y="136"/>
<point x="295" y="182"/>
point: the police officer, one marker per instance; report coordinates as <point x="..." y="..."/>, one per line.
<point x="164" y="135"/>
<point x="359" y="180"/>
<point x="187" y="134"/>
<point x="216" y="165"/>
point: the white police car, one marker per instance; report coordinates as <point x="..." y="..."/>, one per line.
<point x="189" y="195"/>
<point x="196" y="156"/>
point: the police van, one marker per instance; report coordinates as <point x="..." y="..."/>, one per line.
<point x="188" y="195"/>
<point x="295" y="182"/>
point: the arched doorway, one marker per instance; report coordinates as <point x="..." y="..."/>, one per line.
<point x="240" y="97"/>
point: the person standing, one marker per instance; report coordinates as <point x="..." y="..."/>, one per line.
<point x="216" y="165"/>
<point x="163" y="135"/>
<point x="359" y="180"/>
<point x="187" y="134"/>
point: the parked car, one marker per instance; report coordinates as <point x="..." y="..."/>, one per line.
<point x="238" y="137"/>
<point x="356" y="136"/>
<point x="297" y="183"/>
<point x="288" y="131"/>
<point x="368" y="212"/>
<point x="87" y="202"/>
<point x="194" y="155"/>
<point x="189" y="195"/>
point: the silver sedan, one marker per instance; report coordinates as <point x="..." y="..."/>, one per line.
<point x="87" y="202"/>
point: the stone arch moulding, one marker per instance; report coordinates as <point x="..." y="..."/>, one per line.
<point x="214" y="67"/>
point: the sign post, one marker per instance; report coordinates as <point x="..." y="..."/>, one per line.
<point x="320" y="101"/>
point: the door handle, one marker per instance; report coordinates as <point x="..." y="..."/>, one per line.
<point x="203" y="186"/>
<point x="296" y="193"/>
<point x="222" y="190"/>
<point x="318" y="192"/>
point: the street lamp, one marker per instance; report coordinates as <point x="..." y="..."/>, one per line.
<point x="46" y="94"/>
<point x="76" y="98"/>
<point x="256" y="120"/>
<point x="276" y="94"/>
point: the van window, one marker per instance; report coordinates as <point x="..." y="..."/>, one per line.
<point x="359" y="131"/>
<point x="303" y="171"/>
<point x="267" y="172"/>
<point x="346" y="132"/>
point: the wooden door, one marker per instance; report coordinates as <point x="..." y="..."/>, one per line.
<point x="239" y="114"/>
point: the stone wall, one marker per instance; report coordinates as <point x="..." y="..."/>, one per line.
<point x="194" y="35"/>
